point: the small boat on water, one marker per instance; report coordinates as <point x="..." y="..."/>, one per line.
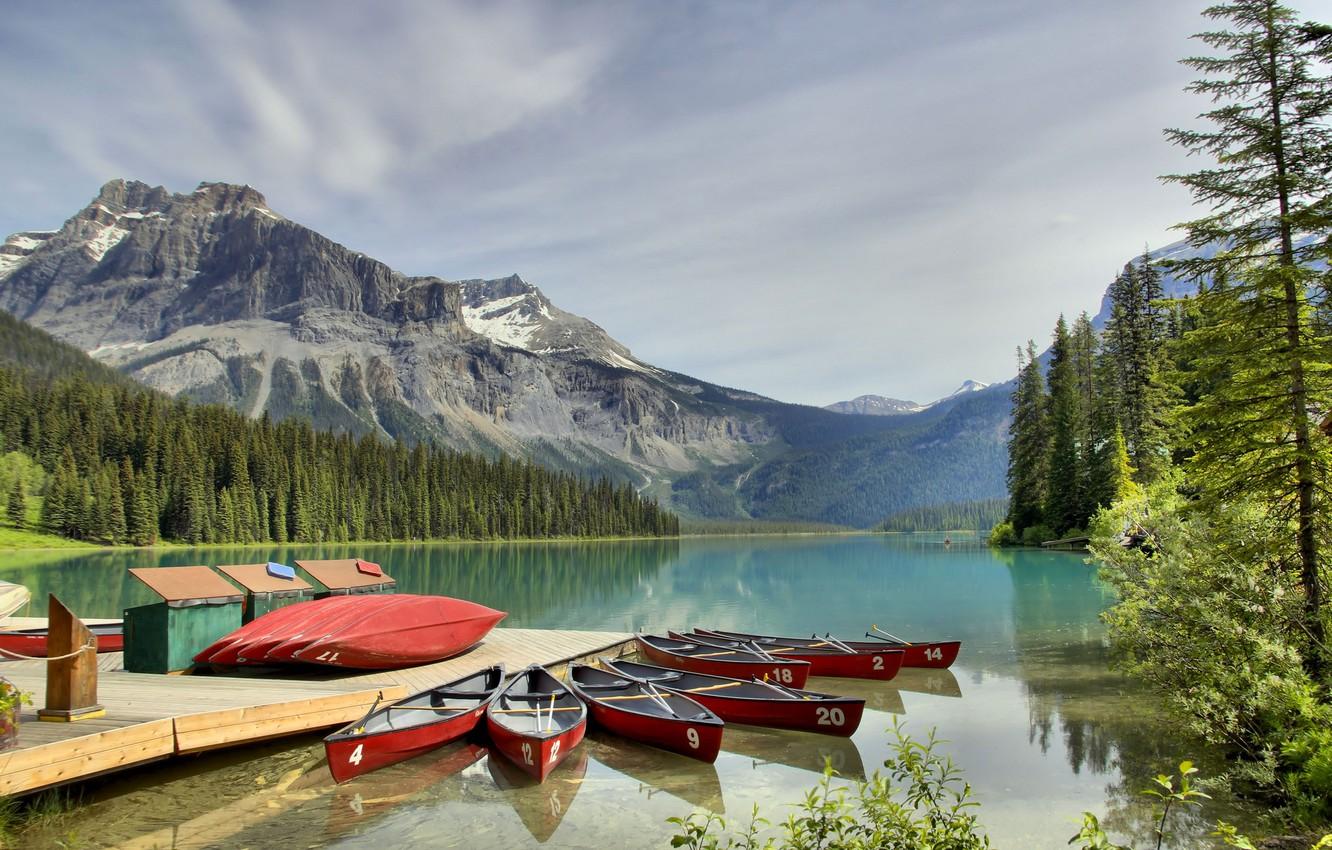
<point x="363" y="632"/>
<point x="32" y="642"/>
<point x="412" y="726"/>
<point x="937" y="654"/>
<point x="536" y="721"/>
<point x="753" y="702"/>
<point x="827" y="659"/>
<point x="12" y="597"/>
<point x="638" y="710"/>
<point x="702" y="658"/>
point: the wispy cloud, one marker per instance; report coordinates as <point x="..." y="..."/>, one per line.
<point x="810" y="200"/>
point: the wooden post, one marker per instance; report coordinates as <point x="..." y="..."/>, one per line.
<point x="71" y="668"/>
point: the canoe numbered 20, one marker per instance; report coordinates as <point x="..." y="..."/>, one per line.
<point x="753" y="702"/>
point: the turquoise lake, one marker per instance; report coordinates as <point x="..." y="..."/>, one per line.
<point x="1030" y="712"/>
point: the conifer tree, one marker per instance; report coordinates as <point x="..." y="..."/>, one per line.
<point x="1269" y="134"/>
<point x="16" y="508"/>
<point x="1063" y="490"/>
<point x="1028" y="444"/>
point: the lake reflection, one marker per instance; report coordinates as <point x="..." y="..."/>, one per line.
<point x="1030" y="713"/>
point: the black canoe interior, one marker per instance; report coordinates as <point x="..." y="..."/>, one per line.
<point x="680" y="680"/>
<point x="101" y="629"/>
<point x="713" y="652"/>
<point x="442" y="703"/>
<point x="857" y="645"/>
<point x="806" y="646"/>
<point x="597" y="684"/>
<point x="525" y="705"/>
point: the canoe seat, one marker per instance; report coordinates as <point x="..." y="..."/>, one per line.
<point x="536" y="695"/>
<point x="618" y="683"/>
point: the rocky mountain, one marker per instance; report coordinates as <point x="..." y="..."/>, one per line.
<point x="213" y="296"/>
<point x="875" y="405"/>
<point x="878" y="405"/>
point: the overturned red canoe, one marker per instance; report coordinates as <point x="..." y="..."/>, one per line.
<point x="369" y="632"/>
<point x="400" y="631"/>
<point x="32" y="642"/>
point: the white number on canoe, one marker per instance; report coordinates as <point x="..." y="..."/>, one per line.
<point x="355" y="757"/>
<point x="782" y="674"/>
<point x="527" y="753"/>
<point x="830" y="716"/>
<point x="692" y="734"/>
<point x="327" y="656"/>
<point x="555" y="751"/>
<point x="878" y="662"/>
<point x="933" y="653"/>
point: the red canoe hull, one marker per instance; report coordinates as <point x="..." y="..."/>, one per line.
<point x="536" y="756"/>
<point x="351" y="757"/>
<point x="787" y="673"/>
<point x="933" y="654"/>
<point x="419" y="631"/>
<point x="882" y="664"/>
<point x="32" y="642"/>
<point x="806" y="711"/>
<point x="937" y="655"/>
<point x="703" y="745"/>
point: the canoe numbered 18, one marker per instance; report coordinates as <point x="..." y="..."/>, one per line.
<point x="700" y="658"/>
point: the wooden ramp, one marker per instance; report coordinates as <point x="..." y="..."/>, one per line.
<point x="151" y="717"/>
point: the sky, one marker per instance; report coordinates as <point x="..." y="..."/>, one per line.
<point x="812" y="201"/>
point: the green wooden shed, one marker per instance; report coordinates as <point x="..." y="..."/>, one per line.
<point x="268" y="587"/>
<point x="347" y="575"/>
<point x="198" y="606"/>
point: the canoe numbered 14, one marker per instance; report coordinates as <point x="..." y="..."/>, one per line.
<point x="934" y="654"/>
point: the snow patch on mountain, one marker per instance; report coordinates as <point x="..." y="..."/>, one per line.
<point x="108" y="237"/>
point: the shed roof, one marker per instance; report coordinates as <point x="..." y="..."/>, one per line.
<point x="179" y="584"/>
<point x="341" y="574"/>
<point x="256" y="578"/>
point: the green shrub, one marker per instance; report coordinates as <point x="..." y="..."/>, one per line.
<point x="1003" y="535"/>
<point x="1035" y="535"/>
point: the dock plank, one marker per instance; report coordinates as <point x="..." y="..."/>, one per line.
<point x="151" y="717"/>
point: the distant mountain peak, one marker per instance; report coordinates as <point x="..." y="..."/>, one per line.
<point x="875" y="405"/>
<point x="968" y="386"/>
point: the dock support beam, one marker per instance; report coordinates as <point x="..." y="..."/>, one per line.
<point x="71" y="668"/>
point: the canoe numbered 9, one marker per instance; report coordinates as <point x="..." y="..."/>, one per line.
<point x="639" y="711"/>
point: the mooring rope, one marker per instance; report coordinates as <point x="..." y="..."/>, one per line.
<point x="21" y="657"/>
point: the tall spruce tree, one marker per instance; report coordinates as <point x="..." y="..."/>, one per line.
<point x="1063" y="489"/>
<point x="1270" y="137"/>
<point x="1028" y="438"/>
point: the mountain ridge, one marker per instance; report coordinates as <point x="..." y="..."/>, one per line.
<point x="213" y="296"/>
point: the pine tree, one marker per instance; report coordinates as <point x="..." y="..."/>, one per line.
<point x="17" y="506"/>
<point x="1063" y="489"/>
<point x="1027" y="444"/>
<point x="1272" y="143"/>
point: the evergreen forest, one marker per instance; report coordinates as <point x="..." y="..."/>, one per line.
<point x="113" y="462"/>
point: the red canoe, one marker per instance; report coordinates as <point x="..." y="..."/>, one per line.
<point x="299" y="637"/>
<point x="267" y="628"/>
<point x="413" y="630"/>
<point x="413" y="726"/>
<point x="701" y="658"/>
<point x="937" y="654"/>
<point x="32" y="642"/>
<point x="755" y="703"/>
<point x="536" y="721"/>
<point x="823" y="660"/>
<point x="637" y="710"/>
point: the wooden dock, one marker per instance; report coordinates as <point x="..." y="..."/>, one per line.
<point x="151" y="717"/>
